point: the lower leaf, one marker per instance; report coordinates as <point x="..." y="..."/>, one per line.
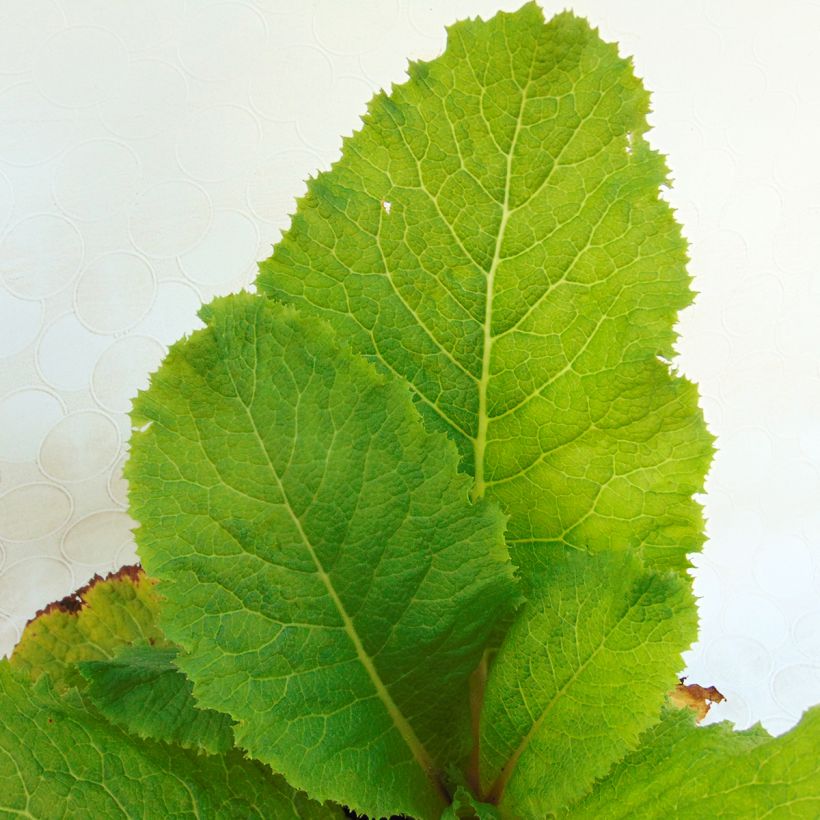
<point x="143" y="692"/>
<point x="583" y="671"/>
<point x="59" y="758"/>
<point x="329" y="581"/>
<point x="687" y="772"/>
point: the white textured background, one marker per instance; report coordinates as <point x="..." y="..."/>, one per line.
<point x="150" y="152"/>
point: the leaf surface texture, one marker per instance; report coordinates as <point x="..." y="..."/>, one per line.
<point x="142" y="691"/>
<point x="323" y="568"/>
<point x="92" y="624"/>
<point x="61" y="759"/>
<point x="583" y="671"/>
<point x="494" y="235"/>
<point x="690" y="772"/>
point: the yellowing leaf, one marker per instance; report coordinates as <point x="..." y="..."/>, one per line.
<point x="91" y="624"/>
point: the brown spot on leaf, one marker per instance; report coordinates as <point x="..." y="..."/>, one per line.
<point x="696" y="697"/>
<point x="74" y="602"/>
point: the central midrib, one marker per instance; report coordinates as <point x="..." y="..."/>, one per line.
<point x="419" y="752"/>
<point x="480" y="441"/>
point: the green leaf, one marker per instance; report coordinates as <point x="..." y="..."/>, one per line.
<point x="466" y="807"/>
<point x="91" y="624"/>
<point x="690" y="773"/>
<point x="59" y="759"/>
<point x="524" y="279"/>
<point x="583" y="671"/>
<point x="323" y="569"/>
<point x="106" y="634"/>
<point x="142" y="691"/>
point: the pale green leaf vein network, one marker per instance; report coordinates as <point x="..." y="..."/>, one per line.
<point x="480" y="441"/>
<point x="323" y="569"/>
<point x="406" y="731"/>
<point x="525" y="282"/>
<point x="61" y="758"/>
<point x="693" y="772"/>
<point x="582" y="672"/>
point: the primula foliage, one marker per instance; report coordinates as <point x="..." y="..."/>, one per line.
<point x="324" y="569"/>
<point x="68" y="749"/>
<point x="417" y="515"/>
<point x="524" y="282"/>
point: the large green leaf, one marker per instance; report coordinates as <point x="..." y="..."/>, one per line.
<point x="689" y="773"/>
<point x="322" y="565"/>
<point x="141" y="690"/>
<point x="59" y="759"/>
<point x="494" y="234"/>
<point x="583" y="671"/>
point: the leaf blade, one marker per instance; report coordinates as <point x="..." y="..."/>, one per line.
<point x="320" y="560"/>
<point x="141" y="690"/>
<point x="94" y="623"/>
<point x="582" y="673"/>
<point x="95" y="770"/>
<point x="524" y="282"/>
<point x="690" y="772"/>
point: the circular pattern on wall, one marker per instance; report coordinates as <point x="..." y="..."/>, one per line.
<point x="123" y="369"/>
<point x="32" y="511"/>
<point x="40" y="255"/>
<point x="307" y="68"/>
<point x="117" y="485"/>
<point x="67" y="353"/>
<point x="279" y="181"/>
<point x="96" y="179"/>
<point x="20" y="322"/>
<point x="32" y="128"/>
<point x="150" y="100"/>
<point x="786" y="571"/>
<point x="27" y="585"/>
<point x="221" y="40"/>
<point x="90" y="541"/>
<point x="23" y="26"/>
<point x="807" y="634"/>
<point x="98" y="61"/>
<point x="169" y="218"/>
<point x="735" y="656"/>
<point x="126" y="554"/>
<point x="26" y="416"/>
<point x="225" y="254"/>
<point x="218" y="143"/>
<point x="6" y="200"/>
<point x="80" y="446"/>
<point x="361" y="30"/>
<point x="174" y="313"/>
<point x="114" y="292"/>
<point x="794" y="687"/>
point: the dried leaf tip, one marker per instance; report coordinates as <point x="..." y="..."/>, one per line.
<point x="696" y="697"/>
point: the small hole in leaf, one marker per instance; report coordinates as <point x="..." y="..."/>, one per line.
<point x="387" y="206"/>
